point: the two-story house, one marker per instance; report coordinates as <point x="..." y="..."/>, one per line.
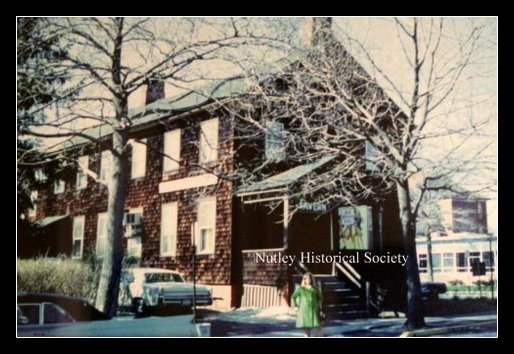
<point x="181" y="193"/>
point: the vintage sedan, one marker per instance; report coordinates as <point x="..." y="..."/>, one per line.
<point x="151" y="288"/>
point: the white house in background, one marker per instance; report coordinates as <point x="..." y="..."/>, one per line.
<point x="453" y="255"/>
<point x="464" y="241"/>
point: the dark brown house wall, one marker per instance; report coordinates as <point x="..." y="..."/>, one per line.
<point x="144" y="193"/>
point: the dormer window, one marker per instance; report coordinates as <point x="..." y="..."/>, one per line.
<point x="275" y="142"/>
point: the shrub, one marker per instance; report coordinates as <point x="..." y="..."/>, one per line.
<point x="456" y="282"/>
<point x="63" y="276"/>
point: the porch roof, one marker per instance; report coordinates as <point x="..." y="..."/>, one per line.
<point x="285" y="178"/>
<point x="49" y="220"/>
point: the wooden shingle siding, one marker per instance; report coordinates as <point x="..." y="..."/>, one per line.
<point x="144" y="193"/>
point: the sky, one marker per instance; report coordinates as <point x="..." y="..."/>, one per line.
<point x="473" y="100"/>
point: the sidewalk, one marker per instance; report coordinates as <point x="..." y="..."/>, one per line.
<point x="280" y="322"/>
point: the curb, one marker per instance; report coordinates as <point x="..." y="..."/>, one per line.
<point x="443" y="330"/>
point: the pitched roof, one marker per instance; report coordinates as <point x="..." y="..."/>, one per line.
<point x="285" y="178"/>
<point x="49" y="220"/>
<point x="168" y="107"/>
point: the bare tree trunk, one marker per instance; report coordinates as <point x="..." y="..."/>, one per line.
<point x="108" y="288"/>
<point x="415" y="318"/>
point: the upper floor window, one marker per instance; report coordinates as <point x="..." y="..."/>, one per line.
<point x="81" y="175"/>
<point x="372" y="157"/>
<point x="40" y="175"/>
<point x="105" y="165"/>
<point x="171" y="151"/>
<point x="138" y="159"/>
<point x="58" y="186"/>
<point x="275" y="143"/>
<point x="209" y="140"/>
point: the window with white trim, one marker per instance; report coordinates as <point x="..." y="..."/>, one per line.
<point x="40" y="175"/>
<point x="169" y="220"/>
<point x="274" y="140"/>
<point x="33" y="200"/>
<point x="209" y="140"/>
<point x="474" y="257"/>
<point x="372" y="157"/>
<point x="461" y="260"/>
<point x="78" y="237"/>
<point x="171" y="156"/>
<point x="81" y="175"/>
<point x="101" y="234"/>
<point x="206" y="234"/>
<point x="423" y="262"/>
<point x="138" y="168"/>
<point x="488" y="257"/>
<point x="448" y="262"/>
<point x="58" y="186"/>
<point x="106" y="166"/>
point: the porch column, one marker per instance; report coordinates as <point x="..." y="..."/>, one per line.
<point x="286" y="222"/>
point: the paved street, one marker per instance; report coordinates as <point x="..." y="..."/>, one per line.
<point x="281" y="323"/>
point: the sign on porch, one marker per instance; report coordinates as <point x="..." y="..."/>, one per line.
<point x="355" y="227"/>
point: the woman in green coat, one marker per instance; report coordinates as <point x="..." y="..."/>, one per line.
<point x="308" y="298"/>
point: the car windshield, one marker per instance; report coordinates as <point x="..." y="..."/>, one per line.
<point x="163" y="277"/>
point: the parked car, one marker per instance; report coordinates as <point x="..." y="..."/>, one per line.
<point x="45" y="308"/>
<point x="151" y="288"/>
<point x="63" y="316"/>
<point x="431" y="290"/>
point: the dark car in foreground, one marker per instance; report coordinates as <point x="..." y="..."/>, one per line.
<point x="431" y="290"/>
<point x="40" y="315"/>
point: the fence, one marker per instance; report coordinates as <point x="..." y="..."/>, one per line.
<point x="260" y="296"/>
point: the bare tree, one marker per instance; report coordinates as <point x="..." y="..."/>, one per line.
<point x="372" y="141"/>
<point x="105" y="62"/>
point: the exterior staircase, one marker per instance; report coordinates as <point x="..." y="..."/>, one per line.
<point x="340" y="300"/>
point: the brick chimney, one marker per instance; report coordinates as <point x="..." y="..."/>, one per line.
<point x="321" y="31"/>
<point x="154" y="90"/>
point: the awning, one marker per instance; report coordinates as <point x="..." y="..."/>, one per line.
<point x="285" y="178"/>
<point x="49" y="220"/>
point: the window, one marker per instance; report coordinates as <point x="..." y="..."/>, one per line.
<point x="372" y="157"/>
<point x="209" y="141"/>
<point x="422" y="263"/>
<point x="436" y="262"/>
<point x="461" y="262"/>
<point x="171" y="151"/>
<point x="134" y="247"/>
<point x="105" y="166"/>
<point x="58" y="186"/>
<point x="474" y="257"/>
<point x="206" y="233"/>
<point x="448" y="262"/>
<point x="31" y="312"/>
<point x="138" y="169"/>
<point x="488" y="258"/>
<point x="39" y="175"/>
<point x="101" y="234"/>
<point x="53" y="313"/>
<point x="81" y="175"/>
<point x="33" y="200"/>
<point x="275" y="143"/>
<point x="169" y="216"/>
<point x="78" y="237"/>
